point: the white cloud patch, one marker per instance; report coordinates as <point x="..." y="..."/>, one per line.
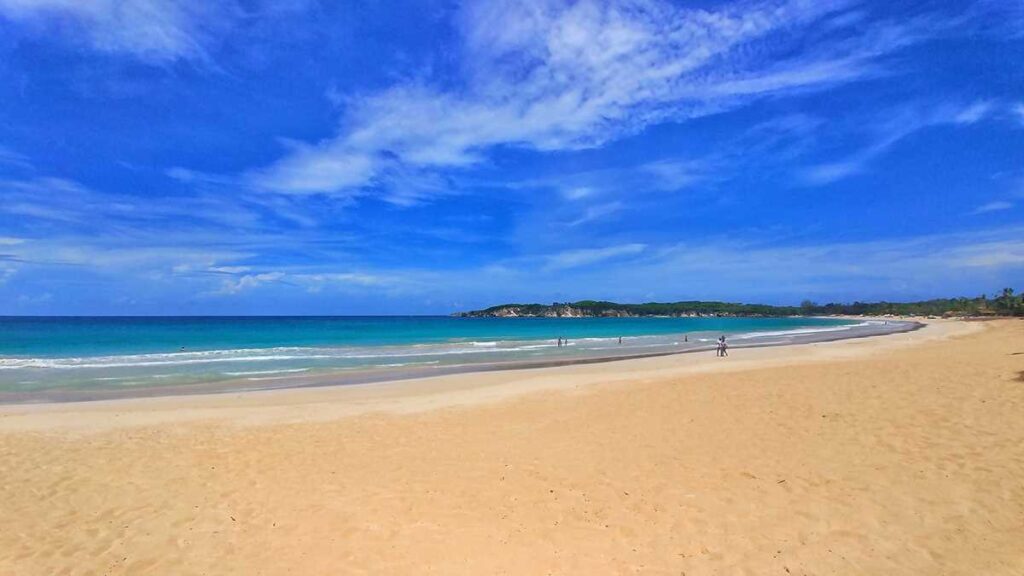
<point x="555" y="76"/>
<point x="248" y="282"/>
<point x="659" y="176"/>
<point x="577" y="192"/>
<point x="156" y="31"/>
<point x="973" y="113"/>
<point x="69" y="203"/>
<point x="939" y="265"/>
<point x="598" y="212"/>
<point x="11" y="158"/>
<point x="229" y="269"/>
<point x="587" y="256"/>
<point x="153" y="255"/>
<point x="834" y="171"/>
<point x="319" y="281"/>
<point x="891" y="128"/>
<point x="315" y="282"/>
<point x="995" y="206"/>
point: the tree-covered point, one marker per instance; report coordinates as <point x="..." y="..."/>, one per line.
<point x="1006" y="303"/>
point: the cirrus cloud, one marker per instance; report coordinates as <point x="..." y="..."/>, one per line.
<point x="155" y="31"/>
<point x="551" y="76"/>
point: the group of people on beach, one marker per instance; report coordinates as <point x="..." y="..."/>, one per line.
<point x="722" y="351"/>
<point x="723" y="346"/>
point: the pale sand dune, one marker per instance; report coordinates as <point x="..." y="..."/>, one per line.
<point x="894" y="455"/>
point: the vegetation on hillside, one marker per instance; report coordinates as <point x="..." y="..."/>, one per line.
<point x="1007" y="303"/>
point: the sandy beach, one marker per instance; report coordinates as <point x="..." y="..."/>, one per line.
<point x="898" y="454"/>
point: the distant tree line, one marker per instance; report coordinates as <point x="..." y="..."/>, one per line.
<point x="1006" y="303"/>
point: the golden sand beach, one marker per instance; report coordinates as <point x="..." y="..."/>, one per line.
<point x="892" y="455"/>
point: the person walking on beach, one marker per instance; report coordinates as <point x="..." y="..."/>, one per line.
<point x="723" y="348"/>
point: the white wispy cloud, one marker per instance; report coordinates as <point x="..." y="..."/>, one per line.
<point x="225" y="269"/>
<point x="316" y="282"/>
<point x="938" y="264"/>
<point x="1018" y="111"/>
<point x="576" y="192"/>
<point x="597" y="212"/>
<point x="973" y="113"/>
<point x="248" y="282"/>
<point x="994" y="206"/>
<point x="60" y="200"/>
<point x="835" y="171"/>
<point x="11" y="158"/>
<point x="892" y="127"/>
<point x="724" y="268"/>
<point x="657" y="176"/>
<point x="157" y="31"/>
<point x="731" y="268"/>
<point x="586" y="256"/>
<point x="555" y="76"/>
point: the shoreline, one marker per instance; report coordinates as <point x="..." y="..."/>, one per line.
<point x="331" y="401"/>
<point x="331" y="378"/>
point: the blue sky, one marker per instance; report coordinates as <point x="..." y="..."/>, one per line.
<point x="296" y="157"/>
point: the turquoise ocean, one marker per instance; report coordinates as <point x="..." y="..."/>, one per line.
<point x="107" y="353"/>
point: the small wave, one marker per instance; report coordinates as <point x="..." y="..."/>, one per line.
<point x="431" y="353"/>
<point x="137" y="361"/>
<point x="252" y="372"/>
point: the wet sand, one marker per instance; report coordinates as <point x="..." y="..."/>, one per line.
<point x="900" y="454"/>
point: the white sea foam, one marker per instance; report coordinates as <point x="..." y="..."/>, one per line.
<point x="134" y="361"/>
<point x="251" y="355"/>
<point x="797" y="331"/>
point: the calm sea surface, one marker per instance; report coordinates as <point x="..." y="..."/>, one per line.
<point x="105" y="353"/>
